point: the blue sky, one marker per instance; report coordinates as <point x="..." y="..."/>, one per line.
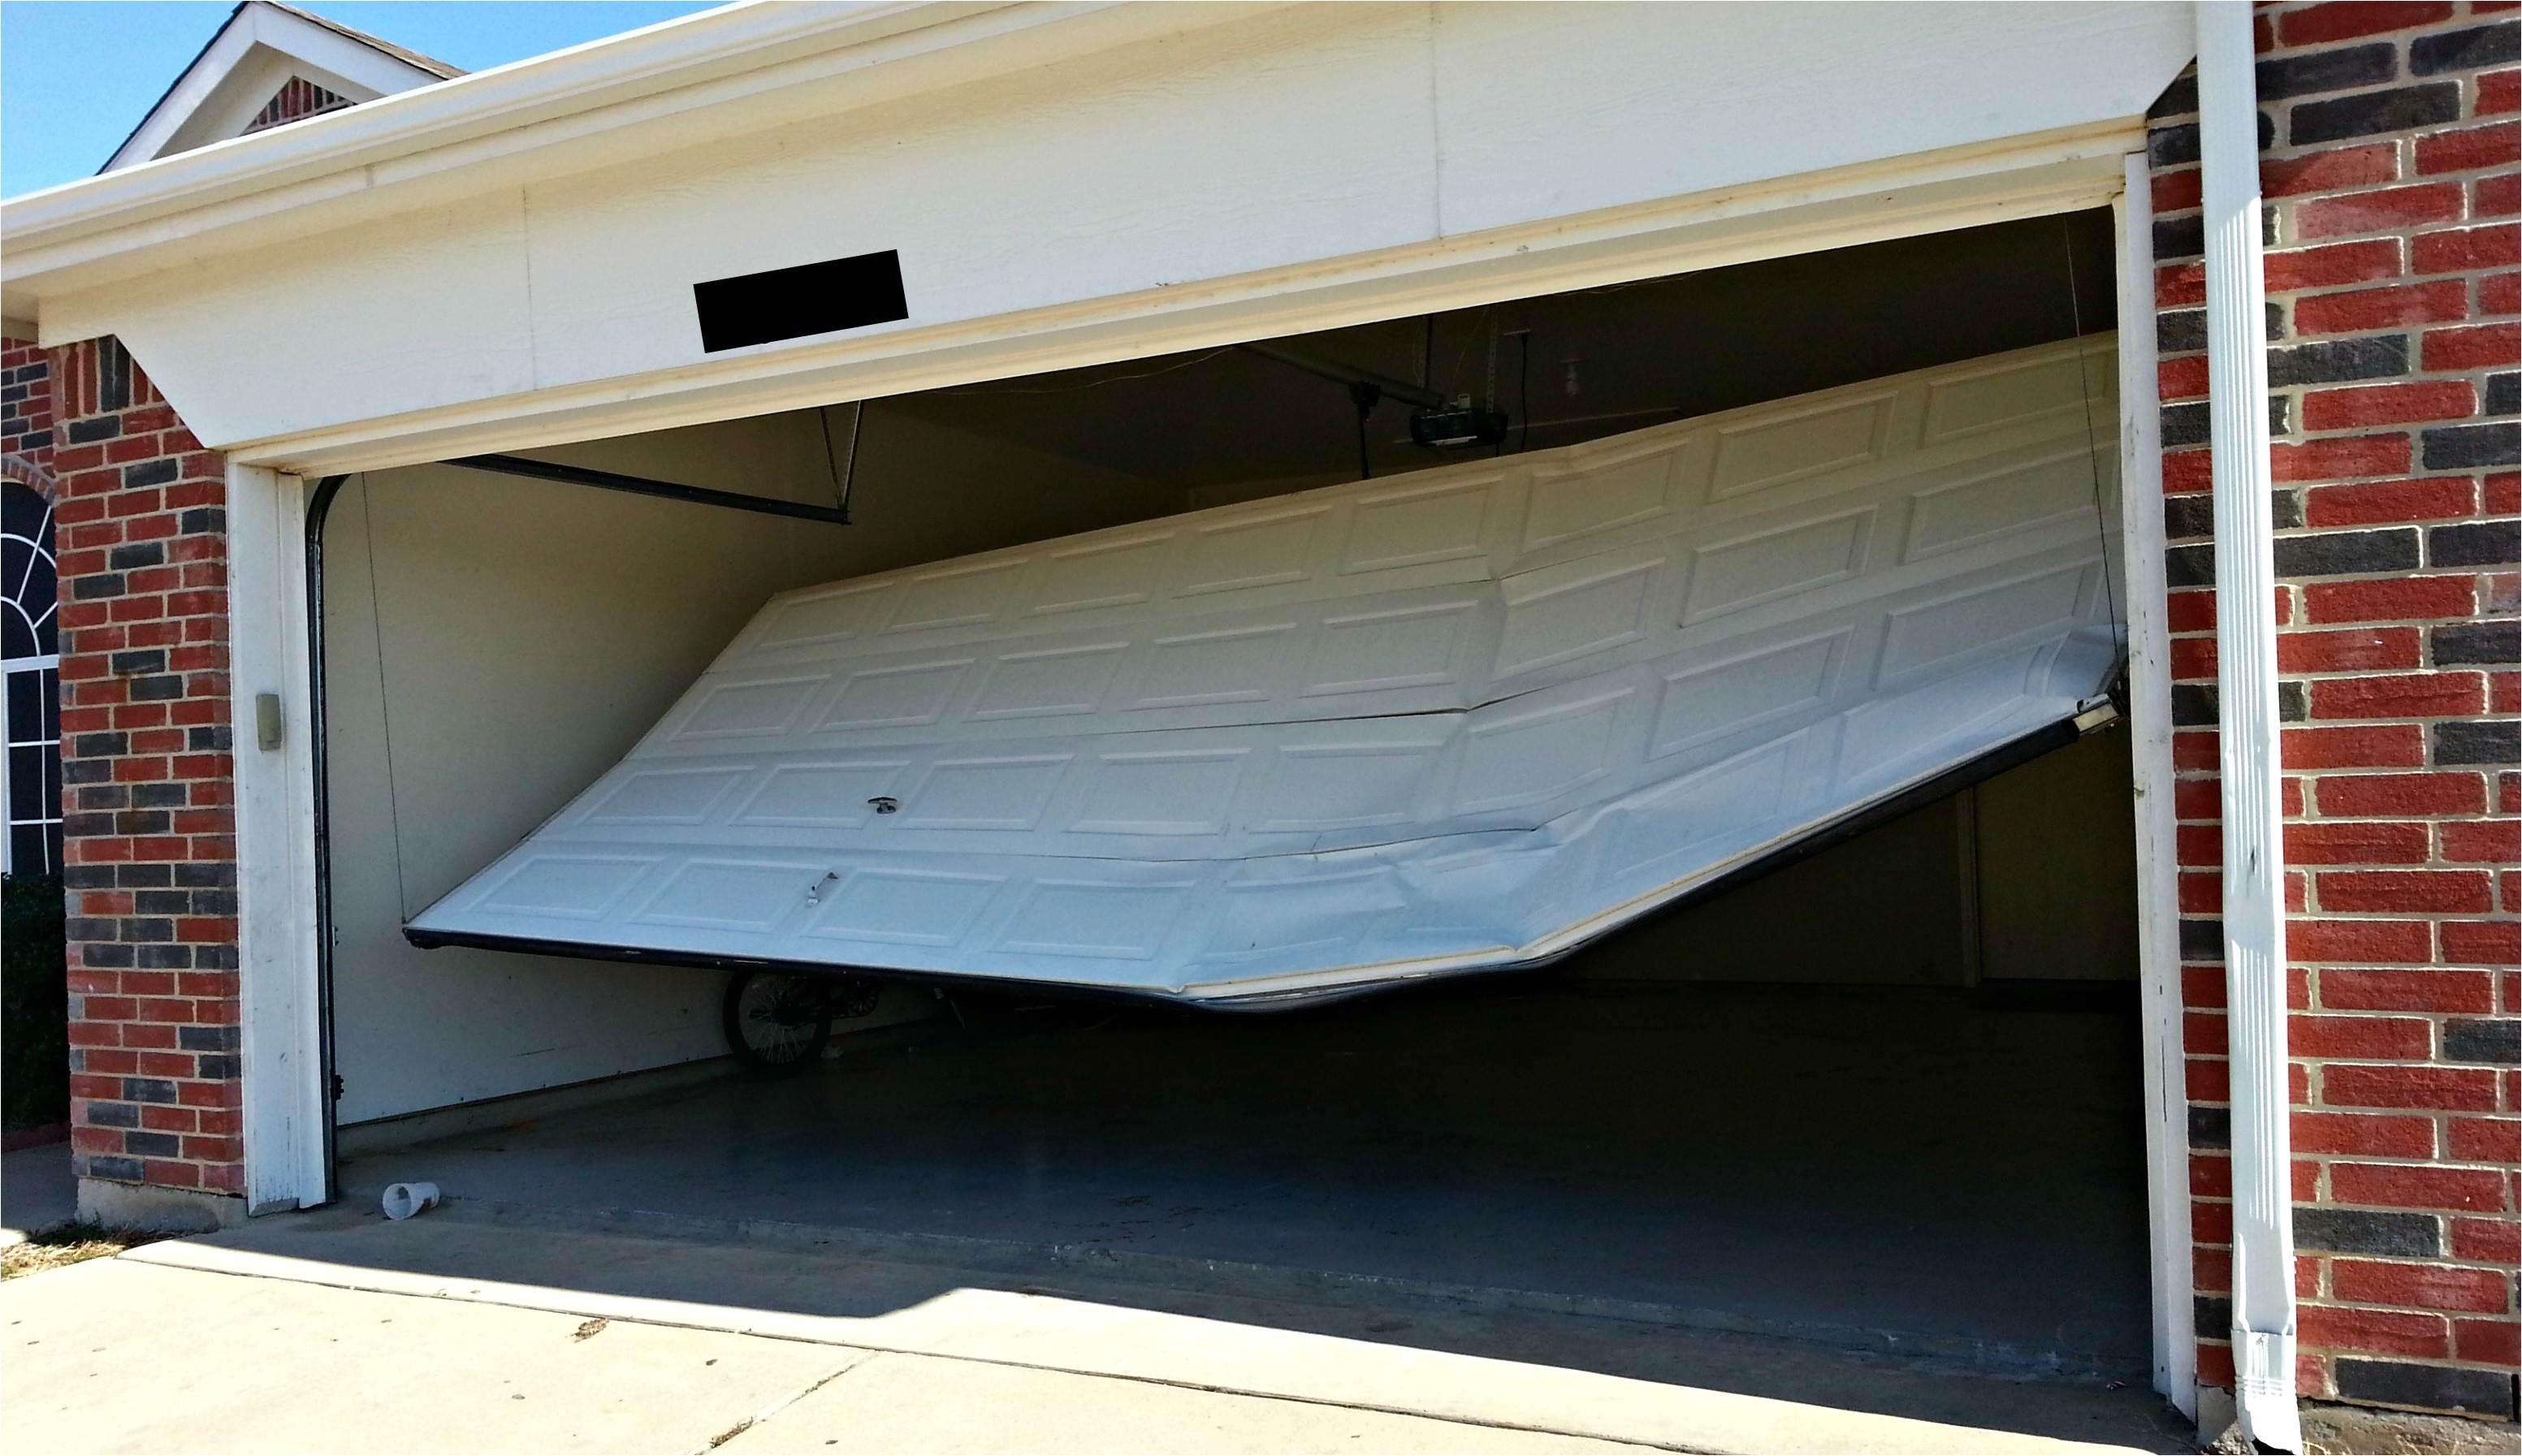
<point x="77" y="75"/>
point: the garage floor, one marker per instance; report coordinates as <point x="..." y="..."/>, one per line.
<point x="1952" y="1173"/>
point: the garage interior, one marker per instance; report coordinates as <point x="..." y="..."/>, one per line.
<point x="1887" y="1097"/>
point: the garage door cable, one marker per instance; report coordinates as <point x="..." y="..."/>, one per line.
<point x="384" y="695"/>
<point x="2092" y="442"/>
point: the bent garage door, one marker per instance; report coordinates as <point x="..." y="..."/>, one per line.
<point x="1459" y="719"/>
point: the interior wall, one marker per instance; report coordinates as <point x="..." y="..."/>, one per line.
<point x="493" y="644"/>
<point x="2031" y="876"/>
<point x="2057" y="865"/>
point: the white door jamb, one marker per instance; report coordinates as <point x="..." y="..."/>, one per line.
<point x="2157" y="887"/>
<point x="281" y="1061"/>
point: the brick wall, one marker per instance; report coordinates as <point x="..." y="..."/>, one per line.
<point x="2389" y="146"/>
<point x="150" y="853"/>
<point x="27" y="414"/>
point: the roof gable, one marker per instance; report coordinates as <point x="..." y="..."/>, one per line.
<point x="268" y="66"/>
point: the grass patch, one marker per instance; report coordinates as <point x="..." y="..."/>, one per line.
<point x="74" y="1242"/>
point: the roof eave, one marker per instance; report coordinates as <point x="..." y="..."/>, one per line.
<point x="681" y="64"/>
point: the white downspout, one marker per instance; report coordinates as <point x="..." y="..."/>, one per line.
<point x="2246" y="684"/>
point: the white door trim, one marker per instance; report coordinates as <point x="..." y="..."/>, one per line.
<point x="2158" y="881"/>
<point x="278" y="1004"/>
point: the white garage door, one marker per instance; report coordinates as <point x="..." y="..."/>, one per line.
<point x="1453" y="720"/>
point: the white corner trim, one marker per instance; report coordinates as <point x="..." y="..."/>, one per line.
<point x="281" y="1051"/>
<point x="2158" y="881"/>
<point x="2246" y="684"/>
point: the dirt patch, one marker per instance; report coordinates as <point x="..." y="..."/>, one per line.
<point x="67" y="1243"/>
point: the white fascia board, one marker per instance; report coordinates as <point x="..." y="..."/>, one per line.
<point x="323" y="56"/>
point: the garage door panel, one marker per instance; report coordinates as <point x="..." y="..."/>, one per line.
<point x="1403" y="727"/>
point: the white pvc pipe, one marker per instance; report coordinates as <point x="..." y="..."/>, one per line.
<point x="2246" y="682"/>
<point x="2158" y="888"/>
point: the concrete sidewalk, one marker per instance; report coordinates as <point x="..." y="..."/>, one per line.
<point x="335" y="1333"/>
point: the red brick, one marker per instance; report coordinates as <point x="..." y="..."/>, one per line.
<point x="2361" y="1038"/>
<point x="2365" y="1133"/>
<point x="2183" y="378"/>
<point x="2494" y="1241"/>
<point x="2452" y="1089"/>
<point x="159" y="1119"/>
<point x="2482" y="842"/>
<point x="2356" y="649"/>
<point x="2401" y="1185"/>
<point x="2407" y="891"/>
<point x="2382" y="745"/>
<point x="2464" y="249"/>
<point x="2399" y="599"/>
<point x="2482" y="942"/>
<point x="2483" y="346"/>
<point x="2351" y="941"/>
<point x="2181" y="285"/>
<point x="2178" y="192"/>
<point x="2482" y="1140"/>
<point x="2388" y="404"/>
<point x="2373" y="1330"/>
<point x="2295" y="269"/>
<point x="2383" y="502"/>
<point x="2469" y="150"/>
<point x="2187" y="472"/>
<point x="168" y="1173"/>
<point x="210" y="1094"/>
<point x="2316" y="171"/>
<point x="2456" y="992"/>
<point x="2500" y="92"/>
<point x="2401" y="796"/>
<point x="2347" y="20"/>
<point x="2361" y="842"/>
<point x="2391" y="209"/>
<point x="2340" y="456"/>
<point x="2495" y="195"/>
<point x="2488" y="1341"/>
<point x="2421" y="1285"/>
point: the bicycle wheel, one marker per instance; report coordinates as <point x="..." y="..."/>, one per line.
<point x="775" y="1024"/>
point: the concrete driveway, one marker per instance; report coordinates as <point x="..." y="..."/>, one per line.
<point x="338" y="1332"/>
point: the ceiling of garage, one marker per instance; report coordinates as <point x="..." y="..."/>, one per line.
<point x="1595" y="362"/>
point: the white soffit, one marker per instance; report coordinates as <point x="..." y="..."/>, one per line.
<point x="1464" y="718"/>
<point x="260" y="48"/>
<point x="1065" y="185"/>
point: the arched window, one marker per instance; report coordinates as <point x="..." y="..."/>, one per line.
<point x="31" y="654"/>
